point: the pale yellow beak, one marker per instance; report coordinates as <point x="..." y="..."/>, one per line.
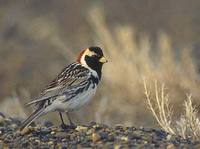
<point x="103" y="60"/>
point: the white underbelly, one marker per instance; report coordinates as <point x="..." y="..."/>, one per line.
<point x="81" y="100"/>
<point x="72" y="104"/>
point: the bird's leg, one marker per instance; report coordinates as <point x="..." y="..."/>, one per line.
<point x="72" y="125"/>
<point x="63" y="125"/>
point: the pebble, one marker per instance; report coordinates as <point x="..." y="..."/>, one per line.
<point x="93" y="136"/>
<point x="170" y="146"/>
<point x="81" y="128"/>
<point x="48" y="123"/>
<point x="90" y="131"/>
<point x="124" y="138"/>
<point x="27" y="130"/>
<point x="45" y="131"/>
<point x="96" y="137"/>
<point x="37" y="142"/>
<point x="96" y="126"/>
<point x="63" y="140"/>
<point x="169" y="136"/>
<point x="50" y="143"/>
<point x="62" y="134"/>
<point x="118" y="146"/>
<point x="104" y="135"/>
<point x="14" y="125"/>
<point x="53" y="133"/>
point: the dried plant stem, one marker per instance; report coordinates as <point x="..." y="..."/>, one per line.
<point x="188" y="126"/>
<point x="163" y="115"/>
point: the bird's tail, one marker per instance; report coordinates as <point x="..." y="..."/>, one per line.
<point x="31" y="118"/>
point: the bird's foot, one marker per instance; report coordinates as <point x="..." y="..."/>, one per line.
<point x="72" y="126"/>
<point x="63" y="126"/>
<point x="66" y="127"/>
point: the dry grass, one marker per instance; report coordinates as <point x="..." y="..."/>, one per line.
<point x="133" y="57"/>
<point x="162" y="111"/>
<point x="11" y="106"/>
<point x="187" y="125"/>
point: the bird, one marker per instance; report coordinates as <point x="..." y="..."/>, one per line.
<point x="73" y="87"/>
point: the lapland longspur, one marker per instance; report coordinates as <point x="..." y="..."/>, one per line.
<point x="72" y="88"/>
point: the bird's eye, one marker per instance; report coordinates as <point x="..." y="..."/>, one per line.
<point x="98" y="56"/>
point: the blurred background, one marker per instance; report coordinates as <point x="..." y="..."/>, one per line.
<point x="152" y="40"/>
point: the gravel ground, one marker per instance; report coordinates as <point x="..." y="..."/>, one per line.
<point x="92" y="136"/>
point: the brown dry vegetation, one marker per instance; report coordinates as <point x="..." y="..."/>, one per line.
<point x="130" y="62"/>
<point x="132" y="58"/>
<point x="186" y="125"/>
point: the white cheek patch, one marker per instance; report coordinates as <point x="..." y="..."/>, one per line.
<point x="89" y="53"/>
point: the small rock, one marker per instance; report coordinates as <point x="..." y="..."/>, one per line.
<point x="36" y="142"/>
<point x="45" y="131"/>
<point x="145" y="142"/>
<point x="53" y="133"/>
<point x="64" y="146"/>
<point x="96" y="127"/>
<point x="63" y="140"/>
<point x="119" y="127"/>
<point x="124" y="138"/>
<point x="14" y="125"/>
<point x="62" y="134"/>
<point x="111" y="138"/>
<point x="103" y="135"/>
<point x="27" y="130"/>
<point x="92" y="136"/>
<point x="17" y="133"/>
<point x="169" y="136"/>
<point x="90" y="131"/>
<point x="50" y="143"/>
<point x="96" y="137"/>
<point x="118" y="146"/>
<point x="170" y="146"/>
<point x="25" y="143"/>
<point x="54" y="128"/>
<point x="81" y="128"/>
<point x="48" y="124"/>
<point x="92" y="124"/>
<point x="8" y="120"/>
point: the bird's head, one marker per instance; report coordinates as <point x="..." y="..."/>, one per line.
<point x="92" y="58"/>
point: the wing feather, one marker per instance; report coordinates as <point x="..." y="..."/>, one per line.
<point x="71" y="76"/>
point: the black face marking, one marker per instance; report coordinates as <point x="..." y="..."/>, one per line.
<point x="93" y="63"/>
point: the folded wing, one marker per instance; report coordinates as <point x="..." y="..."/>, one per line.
<point x="71" y="76"/>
